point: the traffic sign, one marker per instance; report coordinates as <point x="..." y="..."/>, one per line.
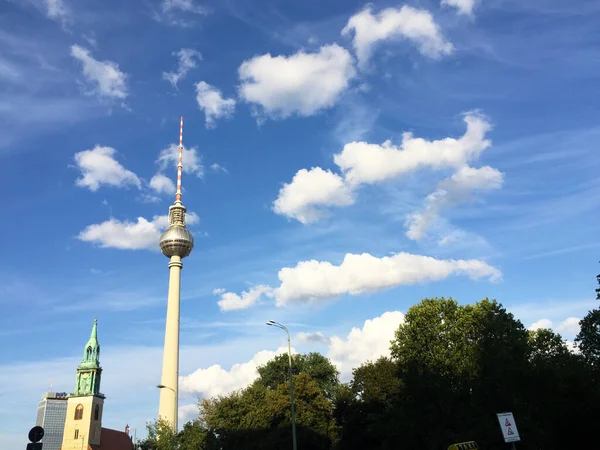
<point x="36" y="434"/>
<point x="471" y="445"/>
<point x="508" y="426"/>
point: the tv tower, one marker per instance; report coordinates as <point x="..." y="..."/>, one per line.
<point x="175" y="243"/>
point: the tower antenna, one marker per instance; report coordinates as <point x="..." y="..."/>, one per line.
<point x="179" y="161"/>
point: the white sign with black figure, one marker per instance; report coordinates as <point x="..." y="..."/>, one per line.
<point x="508" y="426"/>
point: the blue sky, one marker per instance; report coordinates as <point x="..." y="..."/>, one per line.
<point x="343" y="161"/>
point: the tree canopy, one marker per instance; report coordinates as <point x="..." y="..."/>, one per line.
<point x="451" y="369"/>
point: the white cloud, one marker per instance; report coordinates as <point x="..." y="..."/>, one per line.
<point x="98" y="166"/>
<point x="230" y="301"/>
<point x="409" y="23"/>
<point x="368" y="343"/>
<point x="362" y="163"/>
<point x="369" y="163"/>
<point x="215" y="380"/>
<point x="364" y="273"/>
<point x="182" y="5"/>
<point x="106" y="77"/>
<point x="162" y="184"/>
<point x="303" y="83"/>
<point x="569" y="326"/>
<point x="315" y="337"/>
<point x="452" y="191"/>
<point x="309" y="189"/>
<point x="187" y="60"/>
<point x="211" y="101"/>
<point x="218" y="168"/>
<point x="360" y="345"/>
<point x="544" y="323"/>
<point x="313" y="281"/>
<point x="192" y="161"/>
<point x="57" y="10"/>
<point x="185" y="413"/>
<point x="140" y="235"/>
<point x="464" y="6"/>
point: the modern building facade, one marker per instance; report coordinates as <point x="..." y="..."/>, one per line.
<point x="51" y="414"/>
<point x="175" y="243"/>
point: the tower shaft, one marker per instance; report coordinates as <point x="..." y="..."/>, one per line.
<point x="167" y="409"/>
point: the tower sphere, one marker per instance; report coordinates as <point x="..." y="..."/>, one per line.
<point x="176" y="241"/>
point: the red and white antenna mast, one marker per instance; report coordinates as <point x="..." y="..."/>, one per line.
<point x="179" y="162"/>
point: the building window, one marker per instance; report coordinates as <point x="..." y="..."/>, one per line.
<point x="79" y="412"/>
<point x="76" y="434"/>
<point x="97" y="412"/>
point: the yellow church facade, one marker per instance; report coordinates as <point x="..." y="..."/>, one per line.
<point x="83" y="421"/>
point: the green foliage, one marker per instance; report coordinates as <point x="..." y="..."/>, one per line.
<point x="452" y="368"/>
<point x="319" y="368"/>
<point x="259" y="417"/>
<point x="160" y="436"/>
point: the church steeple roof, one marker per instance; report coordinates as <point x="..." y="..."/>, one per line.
<point x="91" y="352"/>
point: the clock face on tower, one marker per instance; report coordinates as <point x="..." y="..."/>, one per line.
<point x="85" y="375"/>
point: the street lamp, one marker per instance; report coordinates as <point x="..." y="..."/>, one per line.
<point x="162" y="386"/>
<point x="272" y="323"/>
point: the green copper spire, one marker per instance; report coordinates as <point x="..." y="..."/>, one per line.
<point x="91" y="352"/>
<point x="89" y="371"/>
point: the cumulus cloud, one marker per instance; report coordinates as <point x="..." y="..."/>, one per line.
<point x="358" y="274"/>
<point x="303" y="198"/>
<point x="359" y="346"/>
<point x="368" y="343"/>
<point x="416" y="25"/>
<point x="105" y="77"/>
<point x="192" y="161"/>
<point x="211" y="102"/>
<point x="316" y="337"/>
<point x="142" y="234"/>
<point x="453" y="190"/>
<point x="187" y="60"/>
<point x="303" y="83"/>
<point x="569" y="327"/>
<point x="316" y="281"/>
<point x="185" y="413"/>
<point x="544" y="323"/>
<point x="311" y="192"/>
<point x="464" y="6"/>
<point x="162" y="184"/>
<point x="99" y="167"/>
<point x="216" y="380"/>
<point x="230" y="301"/>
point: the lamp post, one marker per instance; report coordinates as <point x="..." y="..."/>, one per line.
<point x="162" y="386"/>
<point x="272" y="323"/>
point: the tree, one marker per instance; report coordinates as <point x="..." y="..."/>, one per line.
<point x="588" y="338"/>
<point x="259" y="416"/>
<point x="365" y="409"/>
<point x="318" y="367"/>
<point x="160" y="436"/>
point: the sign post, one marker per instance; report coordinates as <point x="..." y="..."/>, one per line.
<point x="508" y="427"/>
<point x="35" y="436"/>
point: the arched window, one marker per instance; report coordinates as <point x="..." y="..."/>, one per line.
<point x="89" y="353"/>
<point x="97" y="412"/>
<point x="79" y="412"/>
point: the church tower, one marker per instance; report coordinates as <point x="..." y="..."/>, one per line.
<point x="84" y="406"/>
